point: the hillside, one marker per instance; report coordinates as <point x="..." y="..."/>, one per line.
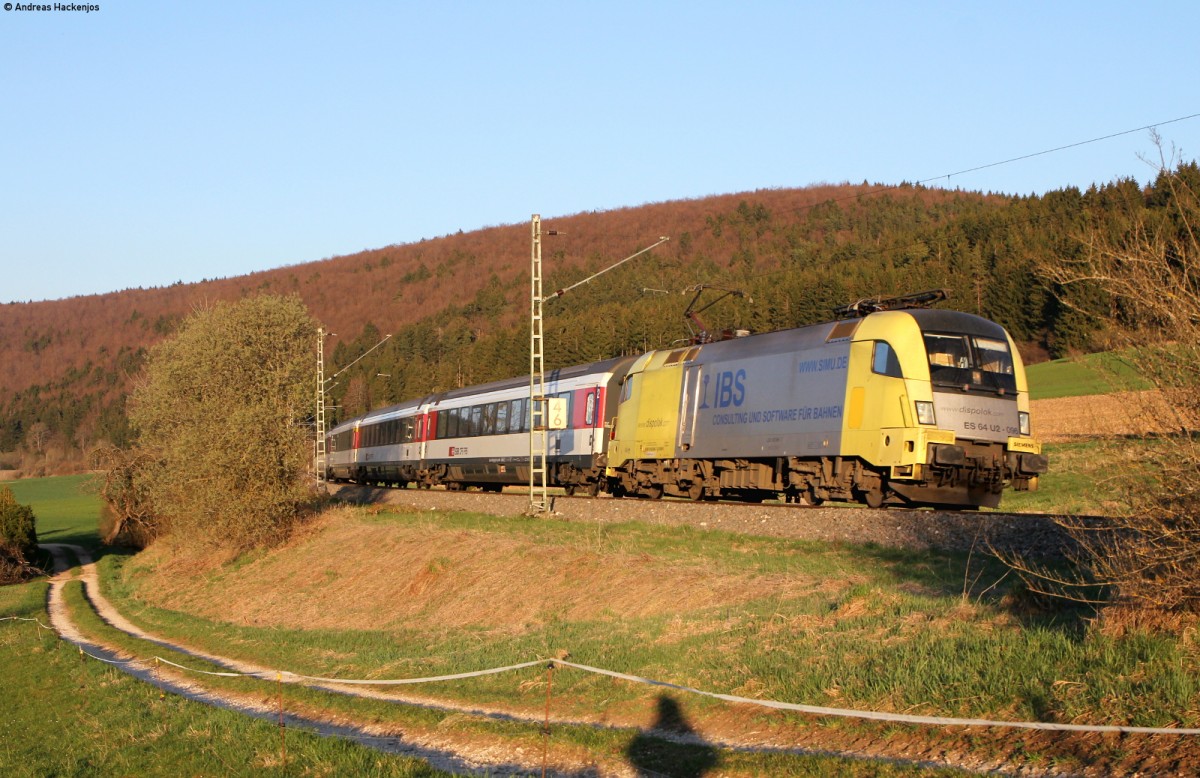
<point x="456" y="304"/>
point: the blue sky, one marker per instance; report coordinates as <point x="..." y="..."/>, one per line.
<point x="152" y="142"/>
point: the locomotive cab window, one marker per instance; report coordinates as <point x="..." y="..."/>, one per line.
<point x="885" y="361"/>
<point x="972" y="362"/>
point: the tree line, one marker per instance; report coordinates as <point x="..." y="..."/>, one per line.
<point x="457" y="306"/>
<point x="992" y="254"/>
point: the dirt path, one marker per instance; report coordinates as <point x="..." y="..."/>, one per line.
<point x="451" y="757"/>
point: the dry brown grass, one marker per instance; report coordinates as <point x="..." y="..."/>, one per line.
<point x="387" y="574"/>
<point x="1123" y="414"/>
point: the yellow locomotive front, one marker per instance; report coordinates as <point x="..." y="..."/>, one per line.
<point x="937" y="403"/>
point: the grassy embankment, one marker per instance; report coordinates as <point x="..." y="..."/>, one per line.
<point x="843" y="626"/>
<point x="81" y="717"/>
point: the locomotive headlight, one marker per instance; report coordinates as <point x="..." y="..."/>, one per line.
<point x="925" y="412"/>
<point x="1023" y="420"/>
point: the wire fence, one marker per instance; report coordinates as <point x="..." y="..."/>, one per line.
<point x="286" y="676"/>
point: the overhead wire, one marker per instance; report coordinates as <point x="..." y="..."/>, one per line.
<point x="947" y="176"/>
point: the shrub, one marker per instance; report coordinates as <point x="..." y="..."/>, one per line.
<point x="18" y="539"/>
<point x="221" y="457"/>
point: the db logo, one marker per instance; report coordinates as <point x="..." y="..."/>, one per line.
<point x="8" y="6"/>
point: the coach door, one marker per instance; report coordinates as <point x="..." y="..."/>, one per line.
<point x="690" y="402"/>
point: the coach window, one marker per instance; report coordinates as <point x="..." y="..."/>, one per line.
<point x="514" y="416"/>
<point x="477" y="420"/>
<point x="502" y="418"/>
<point x="589" y="410"/>
<point x="886" y="362"/>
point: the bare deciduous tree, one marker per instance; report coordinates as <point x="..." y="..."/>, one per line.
<point x="128" y="517"/>
<point x="1149" y="275"/>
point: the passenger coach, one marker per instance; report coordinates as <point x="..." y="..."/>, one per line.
<point x="479" y="436"/>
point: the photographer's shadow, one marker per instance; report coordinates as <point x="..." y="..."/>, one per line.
<point x="671" y="747"/>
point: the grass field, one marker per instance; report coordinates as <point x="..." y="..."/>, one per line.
<point x="78" y="717"/>
<point x="66" y="507"/>
<point x="1079" y="376"/>
<point x="81" y="717"/>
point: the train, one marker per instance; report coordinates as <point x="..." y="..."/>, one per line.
<point x="885" y="406"/>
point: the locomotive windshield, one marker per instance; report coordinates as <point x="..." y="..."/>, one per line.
<point x="970" y="361"/>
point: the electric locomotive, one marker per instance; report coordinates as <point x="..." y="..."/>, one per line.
<point x="901" y="407"/>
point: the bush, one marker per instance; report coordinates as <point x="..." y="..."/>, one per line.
<point x="18" y="539"/>
<point x="222" y="457"/>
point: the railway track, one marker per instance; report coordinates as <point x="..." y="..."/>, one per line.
<point x="1033" y="535"/>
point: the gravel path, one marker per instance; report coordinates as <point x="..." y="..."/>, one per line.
<point x="452" y="757"/>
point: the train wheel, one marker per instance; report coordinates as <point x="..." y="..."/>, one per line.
<point x="696" y="490"/>
<point x="569" y="490"/>
<point x="873" y="498"/>
<point x="593" y="489"/>
<point x="654" y="491"/>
